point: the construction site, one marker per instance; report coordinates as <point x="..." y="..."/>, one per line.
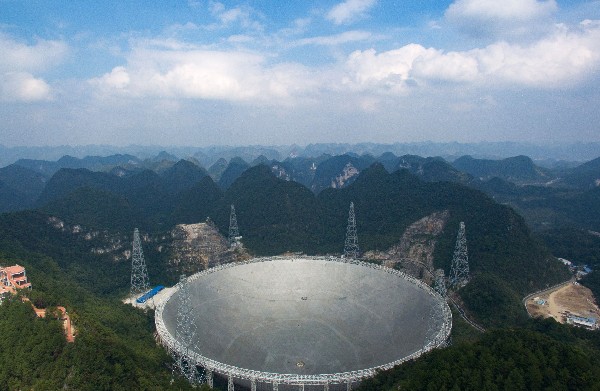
<point x="569" y="303"/>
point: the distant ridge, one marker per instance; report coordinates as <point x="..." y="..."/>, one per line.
<point x="234" y="169"/>
<point x="208" y="155"/>
<point x="92" y="163"/>
<point x="585" y="176"/>
<point x="516" y="169"/>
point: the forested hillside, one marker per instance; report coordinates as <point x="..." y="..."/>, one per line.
<point x="114" y="348"/>
<point x="542" y="356"/>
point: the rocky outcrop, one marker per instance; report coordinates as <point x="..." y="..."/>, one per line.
<point x="349" y="172"/>
<point x="414" y="253"/>
<point x="200" y="246"/>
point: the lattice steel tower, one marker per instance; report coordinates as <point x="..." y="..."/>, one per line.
<point x="139" y="273"/>
<point x="185" y="331"/>
<point x="234" y="232"/>
<point x="459" y="271"/>
<point x="351" y="249"/>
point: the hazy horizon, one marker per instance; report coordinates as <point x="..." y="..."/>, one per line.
<point x="265" y="73"/>
<point x="576" y="152"/>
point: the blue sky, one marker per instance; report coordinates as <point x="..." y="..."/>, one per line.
<point x="272" y="72"/>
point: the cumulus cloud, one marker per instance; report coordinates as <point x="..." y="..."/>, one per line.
<point x="390" y="70"/>
<point x="349" y="11"/>
<point x="117" y="79"/>
<point x="22" y="87"/>
<point x="564" y="58"/>
<point x="17" y="63"/>
<point x="18" y="56"/>
<point x="499" y="17"/>
<point x="399" y="70"/>
<point x="203" y="74"/>
<point x="227" y="16"/>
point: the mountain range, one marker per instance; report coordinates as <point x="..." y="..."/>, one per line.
<point x="538" y="193"/>
<point x="559" y="154"/>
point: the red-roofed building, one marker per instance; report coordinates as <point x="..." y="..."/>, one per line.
<point x="11" y="279"/>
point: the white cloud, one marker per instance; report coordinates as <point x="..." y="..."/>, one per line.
<point x="17" y="63"/>
<point x="178" y="28"/>
<point x="240" y="38"/>
<point x="338" y="39"/>
<point x="389" y="70"/>
<point x="499" y="17"/>
<point x="501" y="10"/>
<point x="118" y="79"/>
<point x="238" y="15"/>
<point x="298" y="26"/>
<point x="20" y="57"/>
<point x="564" y="58"/>
<point x="22" y="87"/>
<point x="203" y="74"/>
<point x="349" y="10"/>
<point x="452" y="66"/>
<point x="399" y="70"/>
<point x="175" y="70"/>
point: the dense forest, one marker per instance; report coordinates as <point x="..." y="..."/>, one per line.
<point x="543" y="355"/>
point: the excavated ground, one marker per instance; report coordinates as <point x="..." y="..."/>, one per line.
<point x="572" y="299"/>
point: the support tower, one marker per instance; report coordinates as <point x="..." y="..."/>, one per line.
<point x="434" y="336"/>
<point x="459" y="271"/>
<point x="351" y="246"/>
<point x="440" y="282"/>
<point x="185" y="331"/>
<point x="139" y="272"/>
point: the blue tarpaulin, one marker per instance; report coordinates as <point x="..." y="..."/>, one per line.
<point x="143" y="298"/>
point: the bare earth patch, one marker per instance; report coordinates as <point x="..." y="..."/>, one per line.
<point x="571" y="299"/>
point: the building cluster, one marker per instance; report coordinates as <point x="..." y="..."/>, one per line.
<point x="12" y="278"/>
<point x="579" y="271"/>
<point x="581" y="321"/>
